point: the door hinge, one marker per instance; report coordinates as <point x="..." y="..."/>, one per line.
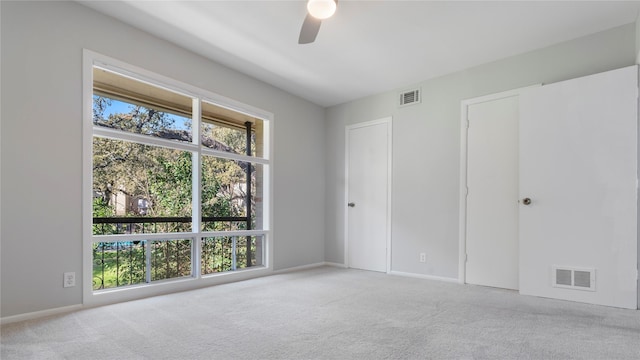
<point x="466" y="257"/>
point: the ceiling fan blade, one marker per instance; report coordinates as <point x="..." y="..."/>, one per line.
<point x="309" y="31"/>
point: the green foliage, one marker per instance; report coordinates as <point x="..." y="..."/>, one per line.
<point x="170" y="184"/>
<point x="102" y="209"/>
<point x="170" y="259"/>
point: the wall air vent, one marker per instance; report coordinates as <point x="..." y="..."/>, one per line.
<point x="563" y="277"/>
<point x="574" y="278"/>
<point x="410" y="97"/>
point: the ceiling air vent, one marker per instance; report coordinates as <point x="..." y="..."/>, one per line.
<point x="410" y="97"/>
<point x="574" y="278"/>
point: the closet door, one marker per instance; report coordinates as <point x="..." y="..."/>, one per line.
<point x="578" y="189"/>
<point x="492" y="183"/>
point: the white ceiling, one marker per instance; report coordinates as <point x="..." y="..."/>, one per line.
<point x="367" y="47"/>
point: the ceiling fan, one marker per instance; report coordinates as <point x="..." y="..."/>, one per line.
<point x="318" y="10"/>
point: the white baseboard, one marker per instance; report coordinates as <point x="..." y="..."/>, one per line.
<point x="309" y="266"/>
<point x="423" y="276"/>
<point x="39" y="314"/>
<point x="298" y="268"/>
<point x="327" y="263"/>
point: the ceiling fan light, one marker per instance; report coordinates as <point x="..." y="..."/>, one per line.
<point x="321" y="9"/>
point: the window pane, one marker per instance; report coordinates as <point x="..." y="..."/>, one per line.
<point x="140" y="188"/>
<point x="226" y="198"/>
<point x="118" y="264"/>
<point x="229" y="253"/>
<point x="249" y="251"/>
<point x="170" y="259"/>
<point x="226" y="130"/>
<point x="125" y="104"/>
<point x="126" y="263"/>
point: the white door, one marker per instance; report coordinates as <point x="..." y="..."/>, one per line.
<point x="368" y="194"/>
<point x="578" y="167"/>
<point x="492" y="200"/>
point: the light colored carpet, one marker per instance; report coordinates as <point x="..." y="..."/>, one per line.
<point x="330" y="313"/>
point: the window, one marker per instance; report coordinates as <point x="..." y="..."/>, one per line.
<point x="178" y="185"/>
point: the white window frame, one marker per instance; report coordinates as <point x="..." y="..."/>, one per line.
<point x="92" y="59"/>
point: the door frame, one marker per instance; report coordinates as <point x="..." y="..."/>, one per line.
<point x="464" y="190"/>
<point x="389" y="122"/>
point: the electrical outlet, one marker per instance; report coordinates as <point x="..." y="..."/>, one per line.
<point x="423" y="257"/>
<point x="69" y="279"/>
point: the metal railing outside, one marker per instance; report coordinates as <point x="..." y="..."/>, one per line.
<point x="126" y="263"/>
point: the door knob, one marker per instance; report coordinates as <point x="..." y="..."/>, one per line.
<point x="526" y="201"/>
<point x="351" y="204"/>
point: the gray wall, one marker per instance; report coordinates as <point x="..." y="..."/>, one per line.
<point x="637" y="23"/>
<point x="637" y="48"/>
<point x="426" y="145"/>
<point x="41" y="141"/>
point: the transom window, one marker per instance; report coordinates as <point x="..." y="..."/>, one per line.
<point x="177" y="181"/>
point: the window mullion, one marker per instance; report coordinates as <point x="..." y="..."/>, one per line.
<point x="196" y="172"/>
<point x="233" y="156"/>
<point x="147" y="264"/>
<point x="141" y="139"/>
